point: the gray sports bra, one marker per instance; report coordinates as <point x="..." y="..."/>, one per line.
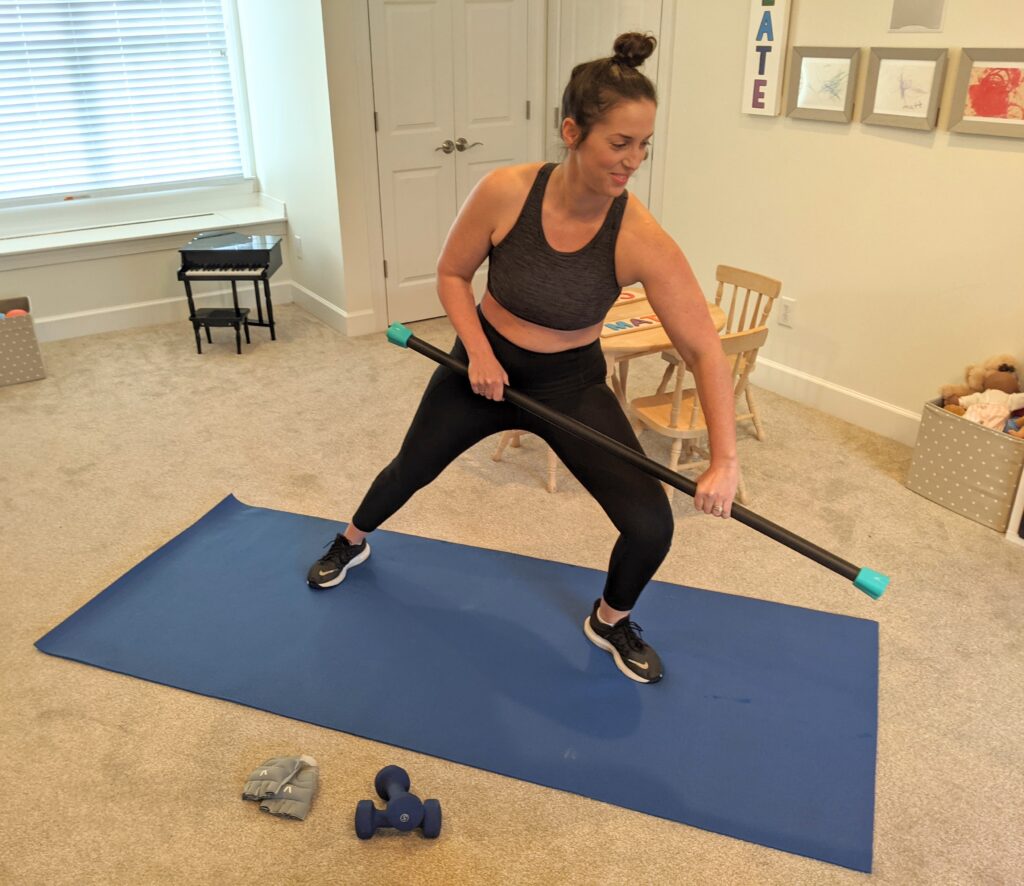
<point x="560" y="290"/>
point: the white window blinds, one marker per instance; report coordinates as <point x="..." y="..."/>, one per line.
<point x="105" y="94"/>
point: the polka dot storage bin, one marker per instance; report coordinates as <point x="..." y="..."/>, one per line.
<point x="20" y="359"/>
<point x="969" y="469"/>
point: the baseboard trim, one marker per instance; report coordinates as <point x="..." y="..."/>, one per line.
<point x="349" y="324"/>
<point x="859" y="409"/>
<point x="143" y="313"/>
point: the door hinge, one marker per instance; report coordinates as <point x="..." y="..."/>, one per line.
<point x="385" y="269"/>
<point x="527" y="110"/>
<point x="556" y="118"/>
<point x="376" y="128"/>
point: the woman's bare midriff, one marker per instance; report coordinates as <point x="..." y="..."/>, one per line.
<point x="532" y="337"/>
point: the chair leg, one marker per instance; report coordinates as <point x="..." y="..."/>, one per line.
<point x="758" y="427"/>
<point x="673" y="464"/>
<point x="209" y="338"/>
<point x="238" y="338"/>
<point x="741" y="491"/>
<point x="506" y="438"/>
<point x="199" y="339"/>
<point x="666" y="378"/>
<point x="552" y="470"/>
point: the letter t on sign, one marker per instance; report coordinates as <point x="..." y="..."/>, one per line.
<point x="766" y="38"/>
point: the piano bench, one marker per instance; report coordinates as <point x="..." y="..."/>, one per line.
<point x="207" y="317"/>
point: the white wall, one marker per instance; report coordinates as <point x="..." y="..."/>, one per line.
<point x="346" y="29"/>
<point x="286" y="80"/>
<point x="902" y="248"/>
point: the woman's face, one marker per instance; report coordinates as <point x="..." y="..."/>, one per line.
<point x="616" y="146"/>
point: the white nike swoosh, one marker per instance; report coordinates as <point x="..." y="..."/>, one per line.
<point x="645" y="665"/>
<point x="328" y="572"/>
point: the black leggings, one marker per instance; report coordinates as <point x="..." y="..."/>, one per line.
<point x="451" y="419"/>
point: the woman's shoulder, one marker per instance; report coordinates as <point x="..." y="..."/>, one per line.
<point x="501" y="194"/>
<point x="642" y="241"/>
<point x="510" y="181"/>
<point x="639" y="224"/>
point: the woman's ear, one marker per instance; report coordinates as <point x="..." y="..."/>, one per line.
<point x="570" y="132"/>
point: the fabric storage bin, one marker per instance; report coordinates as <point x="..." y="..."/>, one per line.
<point x="965" y="467"/>
<point x="20" y="359"/>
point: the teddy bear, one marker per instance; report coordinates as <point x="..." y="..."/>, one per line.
<point x="975" y="374"/>
<point x="991" y="394"/>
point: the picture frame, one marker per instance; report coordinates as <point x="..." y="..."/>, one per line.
<point x="903" y="87"/>
<point x="988" y="94"/>
<point x="822" y="83"/>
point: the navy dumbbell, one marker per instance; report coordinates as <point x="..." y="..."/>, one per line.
<point x="404" y="811"/>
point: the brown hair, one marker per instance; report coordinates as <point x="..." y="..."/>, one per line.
<point x="595" y="87"/>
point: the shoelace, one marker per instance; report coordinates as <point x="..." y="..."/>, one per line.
<point x="338" y="547"/>
<point x="627" y="634"/>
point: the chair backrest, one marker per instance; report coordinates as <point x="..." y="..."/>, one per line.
<point x="741" y="351"/>
<point x="749" y="297"/>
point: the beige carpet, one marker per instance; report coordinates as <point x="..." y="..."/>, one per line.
<point x="112" y="780"/>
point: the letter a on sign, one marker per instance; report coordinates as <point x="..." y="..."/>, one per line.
<point x="766" y="50"/>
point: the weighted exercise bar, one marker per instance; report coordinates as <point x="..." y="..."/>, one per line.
<point x="867" y="580"/>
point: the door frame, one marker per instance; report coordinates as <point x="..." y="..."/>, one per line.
<point x="537" y="52"/>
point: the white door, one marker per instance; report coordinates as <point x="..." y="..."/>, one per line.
<point x="450" y="87"/>
<point x="581" y="30"/>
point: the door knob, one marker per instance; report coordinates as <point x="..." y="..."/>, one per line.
<point x="463" y="145"/>
<point x="447" y="146"/>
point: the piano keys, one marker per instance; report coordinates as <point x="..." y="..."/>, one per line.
<point x="227" y="254"/>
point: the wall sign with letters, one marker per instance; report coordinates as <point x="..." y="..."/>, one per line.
<point x="766" y="53"/>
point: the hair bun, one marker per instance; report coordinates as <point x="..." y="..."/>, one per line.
<point x="633" y="49"/>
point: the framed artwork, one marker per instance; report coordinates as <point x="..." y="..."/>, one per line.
<point x="822" y="82"/>
<point x="988" y="96"/>
<point x="903" y="87"/>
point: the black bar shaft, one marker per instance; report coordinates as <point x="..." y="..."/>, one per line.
<point x="685" y="484"/>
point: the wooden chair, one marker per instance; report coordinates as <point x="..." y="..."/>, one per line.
<point x="677" y="413"/>
<point x="515" y="439"/>
<point x="747" y="300"/>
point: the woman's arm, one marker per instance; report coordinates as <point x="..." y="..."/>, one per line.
<point x="466" y="247"/>
<point x="655" y="259"/>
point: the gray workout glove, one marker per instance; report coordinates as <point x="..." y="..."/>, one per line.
<point x="269" y="778"/>
<point x="293" y="799"/>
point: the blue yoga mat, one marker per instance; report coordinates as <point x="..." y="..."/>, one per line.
<point x="764" y="727"/>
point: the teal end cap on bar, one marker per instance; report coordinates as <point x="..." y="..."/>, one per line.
<point x="871" y="583"/>
<point x="399" y="335"/>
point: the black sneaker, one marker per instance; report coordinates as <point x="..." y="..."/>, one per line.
<point x="331" y="568"/>
<point x="633" y="656"/>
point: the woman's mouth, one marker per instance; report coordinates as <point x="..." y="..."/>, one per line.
<point x="620" y="179"/>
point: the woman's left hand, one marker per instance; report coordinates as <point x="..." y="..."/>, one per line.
<point x="716" y="489"/>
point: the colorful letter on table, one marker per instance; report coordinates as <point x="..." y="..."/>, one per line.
<point x="766" y="54"/>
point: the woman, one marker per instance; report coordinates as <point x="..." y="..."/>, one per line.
<point x="562" y="240"/>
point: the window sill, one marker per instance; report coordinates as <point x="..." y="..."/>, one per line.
<point x="154" y="235"/>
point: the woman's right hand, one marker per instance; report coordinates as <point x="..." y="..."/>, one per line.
<point x="487" y="377"/>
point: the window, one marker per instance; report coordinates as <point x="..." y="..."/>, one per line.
<point x="107" y="96"/>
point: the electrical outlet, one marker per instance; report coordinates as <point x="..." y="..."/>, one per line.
<point x="298" y="247"/>
<point x="787" y="312"/>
